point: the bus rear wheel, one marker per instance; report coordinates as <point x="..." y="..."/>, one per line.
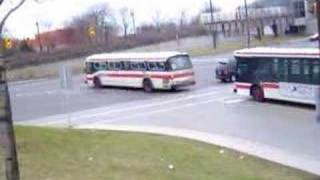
<point x="257" y="94"/>
<point x="97" y="82"/>
<point x="147" y="86"/>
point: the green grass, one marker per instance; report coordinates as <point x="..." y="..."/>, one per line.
<point x="231" y="46"/>
<point x="58" y="154"/>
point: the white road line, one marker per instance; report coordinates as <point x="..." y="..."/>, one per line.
<point x="83" y="115"/>
<point x="124" y="107"/>
<point x="235" y="101"/>
<point x="113" y="110"/>
<point x="137" y="115"/>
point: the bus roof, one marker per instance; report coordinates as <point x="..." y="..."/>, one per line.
<point x="279" y="52"/>
<point x="135" y="56"/>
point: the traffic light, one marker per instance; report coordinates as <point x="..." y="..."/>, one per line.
<point x="7" y="43"/>
<point x="92" y="31"/>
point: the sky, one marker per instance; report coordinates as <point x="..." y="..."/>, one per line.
<point x="52" y="14"/>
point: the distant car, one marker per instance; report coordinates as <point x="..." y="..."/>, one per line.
<point x="314" y="37"/>
<point x="226" y="70"/>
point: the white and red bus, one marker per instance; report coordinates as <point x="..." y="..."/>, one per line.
<point x="278" y="73"/>
<point x="150" y="71"/>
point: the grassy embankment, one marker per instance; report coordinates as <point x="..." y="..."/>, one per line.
<point x="58" y="154"/>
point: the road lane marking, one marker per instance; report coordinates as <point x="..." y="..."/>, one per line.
<point x="82" y="115"/>
<point x="137" y="115"/>
<point x="113" y="110"/>
<point x="235" y="101"/>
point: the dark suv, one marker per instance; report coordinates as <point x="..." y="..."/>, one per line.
<point x="226" y="70"/>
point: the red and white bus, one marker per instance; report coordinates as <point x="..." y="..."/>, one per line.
<point x="150" y="71"/>
<point x="279" y="74"/>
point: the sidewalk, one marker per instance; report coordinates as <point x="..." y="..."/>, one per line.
<point x="248" y="147"/>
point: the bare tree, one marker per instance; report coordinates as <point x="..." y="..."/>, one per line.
<point x="158" y="20"/>
<point x="9" y="13"/>
<point x="103" y="20"/>
<point x="133" y="17"/>
<point x="124" y="13"/>
<point x="101" y="17"/>
<point x="207" y="9"/>
<point x="182" y="21"/>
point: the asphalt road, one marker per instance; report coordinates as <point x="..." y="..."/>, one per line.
<point x="210" y="107"/>
<point x="36" y="99"/>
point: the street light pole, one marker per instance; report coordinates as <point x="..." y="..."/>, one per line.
<point x="247" y="22"/>
<point x="133" y="21"/>
<point x="39" y="38"/>
<point x="318" y="89"/>
<point x="212" y="27"/>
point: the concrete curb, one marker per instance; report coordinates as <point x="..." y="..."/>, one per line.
<point x="245" y="146"/>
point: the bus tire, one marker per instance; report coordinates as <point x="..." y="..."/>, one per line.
<point x="147" y="86"/>
<point x="257" y="94"/>
<point x="97" y="82"/>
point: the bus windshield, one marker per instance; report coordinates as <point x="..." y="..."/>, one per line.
<point x="180" y="63"/>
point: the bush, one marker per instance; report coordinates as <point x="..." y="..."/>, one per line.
<point x="25" y="47"/>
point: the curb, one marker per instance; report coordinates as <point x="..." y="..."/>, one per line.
<point x="244" y="146"/>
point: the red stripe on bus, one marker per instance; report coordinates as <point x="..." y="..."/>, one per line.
<point x="156" y="76"/>
<point x="242" y="86"/>
<point x="184" y="75"/>
<point x="125" y="75"/>
<point x="271" y="85"/>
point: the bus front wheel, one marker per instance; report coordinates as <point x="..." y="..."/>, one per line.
<point x="257" y="94"/>
<point x="97" y="82"/>
<point x="147" y="86"/>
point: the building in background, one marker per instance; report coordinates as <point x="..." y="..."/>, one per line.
<point x="292" y="15"/>
<point x="311" y="22"/>
<point x="54" y="40"/>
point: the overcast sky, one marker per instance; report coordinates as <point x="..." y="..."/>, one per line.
<point x="56" y="12"/>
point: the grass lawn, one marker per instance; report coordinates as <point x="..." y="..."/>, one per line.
<point x="53" y="154"/>
<point x="231" y="46"/>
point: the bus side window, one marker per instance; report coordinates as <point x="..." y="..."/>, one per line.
<point x="295" y="71"/>
<point x="243" y="70"/>
<point x="306" y="67"/>
<point x="134" y="66"/>
<point x="142" y="66"/>
<point x="263" y="70"/>
<point x="96" y="67"/>
<point x="126" y="65"/>
<point x="111" y="66"/>
<point x="152" y="66"/>
<point x="118" y="66"/>
<point x="161" y="66"/>
<point x="276" y="76"/>
<point x="103" y="66"/>
<point x="316" y="72"/>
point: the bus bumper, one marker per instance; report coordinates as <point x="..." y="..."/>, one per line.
<point x="182" y="84"/>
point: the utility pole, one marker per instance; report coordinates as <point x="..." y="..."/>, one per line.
<point x="133" y="21"/>
<point x="39" y="38"/>
<point x="6" y="128"/>
<point x="212" y="27"/>
<point x="247" y="22"/>
<point x="318" y="89"/>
